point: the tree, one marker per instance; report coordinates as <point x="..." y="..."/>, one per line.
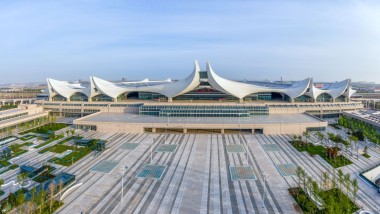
<point x="52" y="189"/>
<point x="299" y="172"/>
<point x="21" y="178"/>
<point x="40" y="198"/>
<point x="365" y="150"/>
<point x="306" y="135"/>
<point x="355" y="140"/>
<point x="60" y="186"/>
<point x="325" y="179"/>
<point x="320" y="136"/>
<point x="20" y="200"/>
<point x="355" y="188"/>
<point x="340" y="177"/>
<point x="1" y="181"/>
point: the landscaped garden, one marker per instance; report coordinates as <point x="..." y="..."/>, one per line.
<point x="76" y="154"/>
<point x="52" y="138"/>
<point x="34" y="201"/>
<point x="337" y="139"/>
<point x="357" y="126"/>
<point x="329" y="199"/>
<point x="45" y="129"/>
<point x="27" y="137"/>
<point x="7" y="107"/>
<point x="16" y="151"/>
<point x="330" y="155"/>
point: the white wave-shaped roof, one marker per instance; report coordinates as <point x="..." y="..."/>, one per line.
<point x="172" y="89"/>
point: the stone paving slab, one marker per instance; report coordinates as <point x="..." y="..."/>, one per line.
<point x="104" y="166"/>
<point x="242" y="173"/>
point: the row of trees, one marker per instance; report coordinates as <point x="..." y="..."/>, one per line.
<point x="369" y="131"/>
<point x="34" y="201"/>
<point x="27" y="125"/>
<point x="330" y="198"/>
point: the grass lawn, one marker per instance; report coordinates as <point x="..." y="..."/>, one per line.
<point x="320" y="150"/>
<point x="49" y="141"/>
<point x="43" y="177"/>
<point x="27" y="137"/>
<point x="74" y="156"/>
<point x="335" y="202"/>
<point x="16" y="151"/>
<point x="44" y="129"/>
<point x="58" y="148"/>
<point x="366" y="155"/>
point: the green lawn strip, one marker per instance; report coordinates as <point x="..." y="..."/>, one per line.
<point x="12" y="202"/>
<point x="27" y="137"/>
<point x="44" y="129"/>
<point x="69" y="138"/>
<point x="75" y="155"/>
<point x="16" y="148"/>
<point x="303" y="200"/>
<point x="59" y="148"/>
<point x="16" y="151"/>
<point x="338" y="139"/>
<point x="49" y="141"/>
<point x="4" y="163"/>
<point x="336" y="126"/>
<point x="335" y="201"/>
<point x="13" y="166"/>
<point x="366" y="155"/>
<point x="321" y="151"/>
<point x="72" y="157"/>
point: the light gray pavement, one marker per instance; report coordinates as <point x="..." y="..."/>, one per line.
<point x="196" y="179"/>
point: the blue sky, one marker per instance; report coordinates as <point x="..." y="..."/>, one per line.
<point x="255" y="40"/>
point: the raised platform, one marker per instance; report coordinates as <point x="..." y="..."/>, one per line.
<point x="263" y="124"/>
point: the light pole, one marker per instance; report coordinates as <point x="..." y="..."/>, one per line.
<point x="151" y="156"/>
<point x="265" y="175"/>
<point x="122" y="182"/>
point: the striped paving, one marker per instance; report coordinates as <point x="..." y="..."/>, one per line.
<point x="196" y="178"/>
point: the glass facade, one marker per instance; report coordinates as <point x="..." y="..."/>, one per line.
<point x="324" y="98"/>
<point x="303" y="98"/>
<point x="203" y="111"/>
<point x="78" y="97"/>
<point x="206" y="94"/>
<point x="102" y="98"/>
<point x="58" y="98"/>
<point x="341" y="98"/>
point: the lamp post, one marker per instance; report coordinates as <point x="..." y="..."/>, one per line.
<point x="122" y="182"/>
<point x="151" y="156"/>
<point x="265" y="175"/>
